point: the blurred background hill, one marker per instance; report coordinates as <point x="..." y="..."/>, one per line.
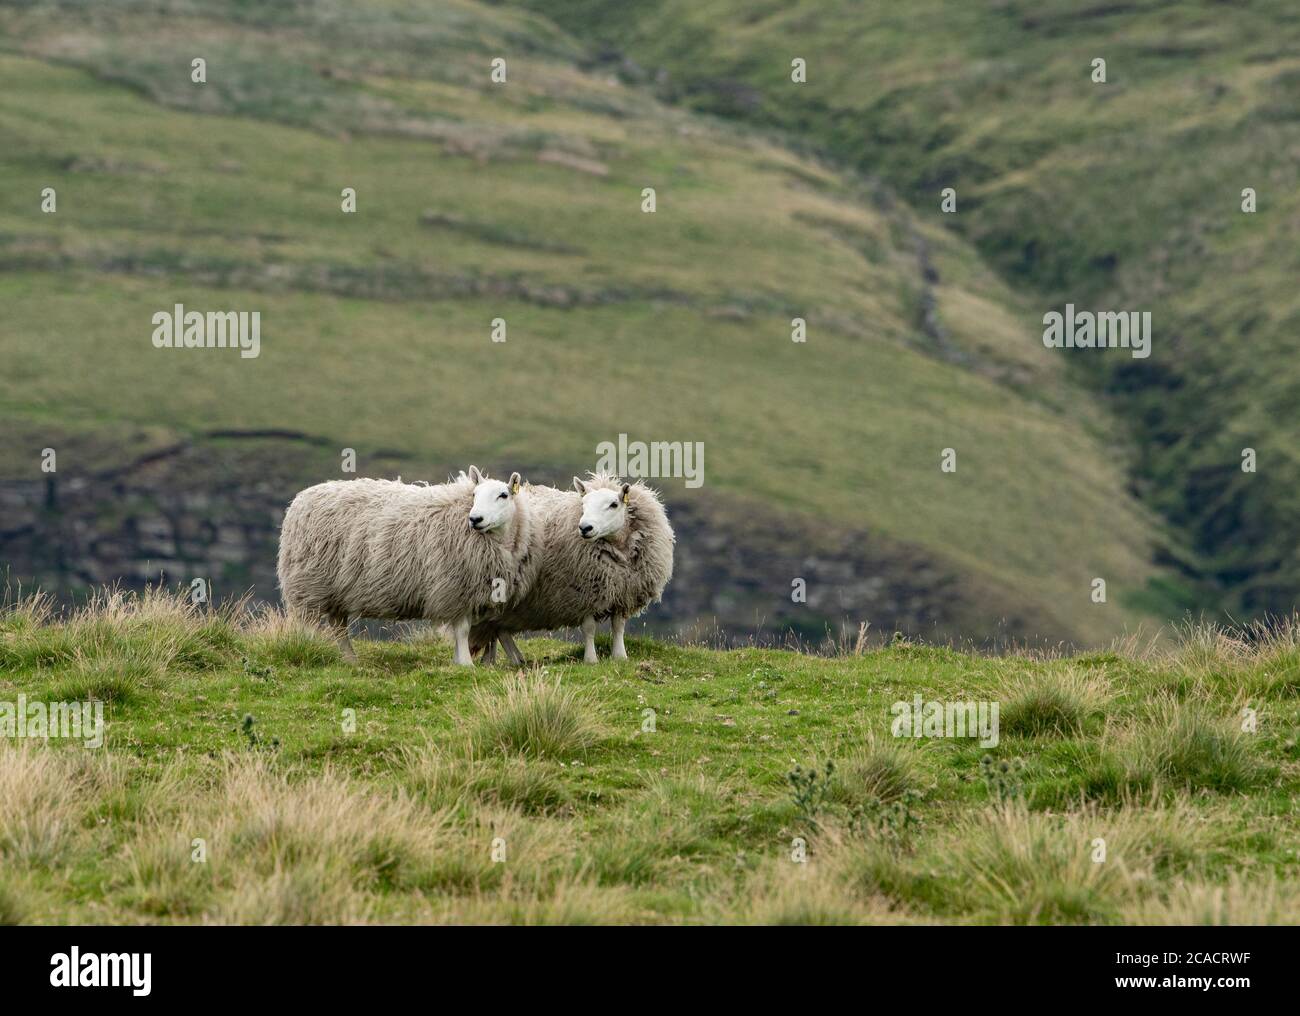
<point x="1118" y="195"/>
<point x="522" y="201"/>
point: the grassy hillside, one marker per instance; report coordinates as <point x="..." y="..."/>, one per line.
<point x="657" y="789"/>
<point x="522" y="201"/>
<point x="1122" y="195"/>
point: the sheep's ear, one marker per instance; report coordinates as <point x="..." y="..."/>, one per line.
<point x="579" y="486"/>
<point x="626" y="488"/>
<point x="514" y="483"/>
<point x="475" y="477"/>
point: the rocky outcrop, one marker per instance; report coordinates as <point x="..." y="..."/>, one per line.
<point x="211" y="509"/>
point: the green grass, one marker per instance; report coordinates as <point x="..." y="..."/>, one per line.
<point x="383" y="792"/>
<point x="521" y="201"/>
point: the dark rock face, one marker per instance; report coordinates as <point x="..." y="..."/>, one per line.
<point x="184" y="513"/>
<point x="212" y="509"/>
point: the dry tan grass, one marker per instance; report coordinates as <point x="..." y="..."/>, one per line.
<point x="453" y="778"/>
<point x="307" y="893"/>
<point x="1141" y="644"/>
<point x="46" y="795"/>
<point x="28" y="611"/>
<point x="1256" y="899"/>
<point x="278" y="846"/>
<point x="114" y="608"/>
<point x="573" y="901"/>
<point x="1009" y="864"/>
<point x="18" y="904"/>
<point x="1204" y="648"/>
<point x="782" y="891"/>
<point x="120" y="639"/>
<point x="1198" y="648"/>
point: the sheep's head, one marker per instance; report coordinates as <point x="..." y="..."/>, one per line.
<point x="494" y="501"/>
<point x="604" y="509"/>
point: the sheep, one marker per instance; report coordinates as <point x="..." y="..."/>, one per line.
<point x="607" y="552"/>
<point x="453" y="553"/>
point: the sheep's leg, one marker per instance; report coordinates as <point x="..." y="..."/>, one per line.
<point x="616" y="624"/>
<point x="461" y="631"/>
<point x="512" y="650"/>
<point x="338" y="624"/>
<point x="589" y="633"/>
<point x="490" y="654"/>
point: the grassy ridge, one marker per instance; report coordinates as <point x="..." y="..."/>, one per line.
<point x="653" y="790"/>
<point x="522" y="201"/>
<point x="1123" y="195"/>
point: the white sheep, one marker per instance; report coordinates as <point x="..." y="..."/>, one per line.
<point x="454" y="553"/>
<point x="607" y="552"/>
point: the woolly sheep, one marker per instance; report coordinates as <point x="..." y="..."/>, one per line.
<point x="453" y="553"/>
<point x="607" y="552"/>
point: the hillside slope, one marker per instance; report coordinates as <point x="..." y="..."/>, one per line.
<point x="519" y="201"/>
<point x="1122" y="195"/>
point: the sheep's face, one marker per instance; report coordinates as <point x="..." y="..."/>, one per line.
<point x="494" y="504"/>
<point x="604" y="512"/>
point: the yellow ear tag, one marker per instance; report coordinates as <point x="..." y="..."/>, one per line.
<point x="625" y="496"/>
<point x="514" y="488"/>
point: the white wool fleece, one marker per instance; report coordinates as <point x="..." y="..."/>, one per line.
<point x="398" y="551"/>
<point x="618" y="574"/>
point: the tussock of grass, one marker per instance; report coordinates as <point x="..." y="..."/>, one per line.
<point x="309" y="893"/>
<point x="534" y="715"/>
<point x="654" y="838"/>
<point x="280" y="823"/>
<point x="1186" y="745"/>
<point x="16" y="902"/>
<point x="1206" y="649"/>
<point x="445" y="779"/>
<point x="1008" y="864"/>
<point x="1258" y="899"/>
<point x="26" y="646"/>
<point x="1011" y="865"/>
<point x="783" y="892"/>
<point x="1172" y="746"/>
<point x="161" y="878"/>
<point x="275" y="639"/>
<point x="157" y="628"/>
<point x="277" y="850"/>
<point x="120" y="639"/>
<point x="1057" y="702"/>
<point x="878" y="769"/>
<point x="871" y="866"/>
<point x="573" y="901"/>
<point x="322" y="849"/>
<point x="1277" y="679"/>
<point x="45" y="794"/>
<point x="112" y="679"/>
